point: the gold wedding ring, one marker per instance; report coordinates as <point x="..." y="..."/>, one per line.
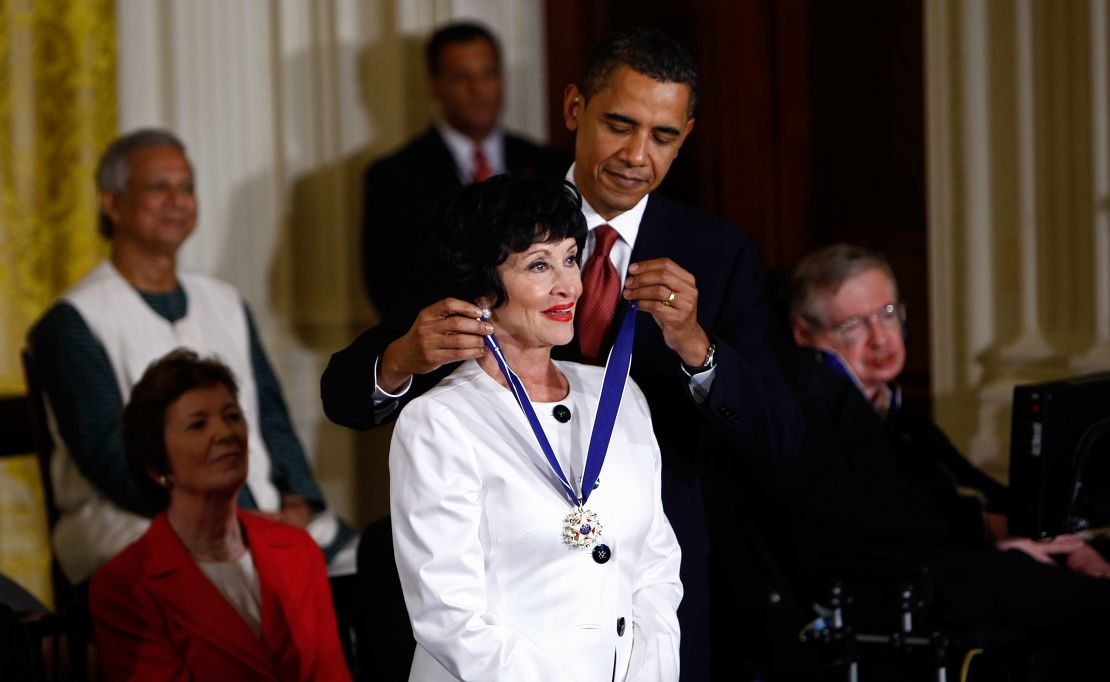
<point x="669" y="300"/>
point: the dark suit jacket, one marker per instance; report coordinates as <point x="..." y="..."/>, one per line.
<point x="861" y="489"/>
<point x="867" y="490"/>
<point x="749" y="399"/>
<point x="400" y="193"/>
<point x="157" y="617"/>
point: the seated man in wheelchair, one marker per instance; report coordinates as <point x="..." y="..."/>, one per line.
<point x="875" y="483"/>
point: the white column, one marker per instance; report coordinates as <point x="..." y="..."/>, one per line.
<point x="1098" y="356"/>
<point x="1007" y="300"/>
<point x="1030" y="346"/>
<point x="978" y="218"/>
<point x="945" y="366"/>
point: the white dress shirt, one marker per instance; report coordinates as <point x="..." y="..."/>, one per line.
<point x="462" y="150"/>
<point x="626" y="224"/>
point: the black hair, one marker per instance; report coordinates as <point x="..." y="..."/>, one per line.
<point x="144" y="417"/>
<point x="475" y="230"/>
<point x="460" y="32"/>
<point x="647" y="51"/>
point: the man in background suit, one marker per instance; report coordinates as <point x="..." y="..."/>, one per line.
<point x="465" y="144"/>
<point x="701" y="353"/>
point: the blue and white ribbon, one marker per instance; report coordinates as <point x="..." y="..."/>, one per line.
<point x="612" y="389"/>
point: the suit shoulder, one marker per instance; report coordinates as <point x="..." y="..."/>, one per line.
<point x="445" y="394"/>
<point x="526" y="156"/>
<point x="410" y="155"/>
<point x="121" y="573"/>
<point x="274" y="532"/>
<point x="588" y="377"/>
<point x="57" y="322"/>
<point x="691" y="218"/>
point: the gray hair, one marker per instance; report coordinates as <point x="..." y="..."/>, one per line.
<point x="826" y="270"/>
<point x="114" y="168"/>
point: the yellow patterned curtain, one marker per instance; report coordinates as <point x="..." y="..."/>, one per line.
<point x="57" y="111"/>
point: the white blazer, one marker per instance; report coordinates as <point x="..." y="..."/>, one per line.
<point x="492" y="591"/>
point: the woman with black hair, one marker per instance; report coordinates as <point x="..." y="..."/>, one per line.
<point x="529" y="533"/>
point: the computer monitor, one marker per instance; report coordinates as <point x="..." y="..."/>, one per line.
<point x="1060" y="456"/>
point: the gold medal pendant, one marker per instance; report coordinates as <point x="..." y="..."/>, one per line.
<point x="581" y="528"/>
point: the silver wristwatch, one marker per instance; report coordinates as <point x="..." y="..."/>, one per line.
<point x="709" y="363"/>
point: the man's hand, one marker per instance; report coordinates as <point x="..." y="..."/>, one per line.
<point x="652" y="283"/>
<point x="1088" y="561"/>
<point x="446" y="331"/>
<point x="998" y="526"/>
<point x="1043" y="550"/>
<point x="295" y="510"/>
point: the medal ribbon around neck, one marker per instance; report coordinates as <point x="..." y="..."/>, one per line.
<point x="612" y="388"/>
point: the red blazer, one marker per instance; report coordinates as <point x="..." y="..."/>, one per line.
<point x="157" y="617"/>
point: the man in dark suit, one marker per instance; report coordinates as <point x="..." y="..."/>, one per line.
<point x="874" y="483"/>
<point x="701" y="347"/>
<point x="463" y="145"/>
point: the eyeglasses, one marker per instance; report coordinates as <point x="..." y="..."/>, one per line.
<point x="853" y="329"/>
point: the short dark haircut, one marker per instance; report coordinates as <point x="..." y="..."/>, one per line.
<point x="826" y="270"/>
<point x="144" y="417"/>
<point x="114" y="168"/>
<point x="647" y="51"/>
<point x="477" y="229"/>
<point x="459" y="32"/>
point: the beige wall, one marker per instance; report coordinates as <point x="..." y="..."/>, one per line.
<point x="1018" y="201"/>
<point x="282" y="104"/>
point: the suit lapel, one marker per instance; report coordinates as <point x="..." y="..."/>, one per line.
<point x="195" y="602"/>
<point x="652" y="238"/>
<point x="441" y="163"/>
<point x="277" y="576"/>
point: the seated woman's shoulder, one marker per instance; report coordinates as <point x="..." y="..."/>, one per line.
<point x="261" y="528"/>
<point x="121" y="575"/>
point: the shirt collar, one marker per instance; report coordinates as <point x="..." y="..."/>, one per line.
<point x="892" y="394"/>
<point x="462" y="150"/>
<point x="626" y="224"/>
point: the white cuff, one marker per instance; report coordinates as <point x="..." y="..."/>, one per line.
<point x="700" y="383"/>
<point x="381" y="396"/>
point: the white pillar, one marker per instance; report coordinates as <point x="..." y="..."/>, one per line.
<point x="1030" y="346"/>
<point x="1098" y="356"/>
<point x="978" y="218"/>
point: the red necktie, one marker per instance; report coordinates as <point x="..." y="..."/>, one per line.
<point x="601" y="290"/>
<point x="482" y="169"/>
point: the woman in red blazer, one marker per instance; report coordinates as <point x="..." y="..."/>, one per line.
<point x="209" y="592"/>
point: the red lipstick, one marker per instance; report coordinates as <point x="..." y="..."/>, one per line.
<point x="560" y="313"/>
